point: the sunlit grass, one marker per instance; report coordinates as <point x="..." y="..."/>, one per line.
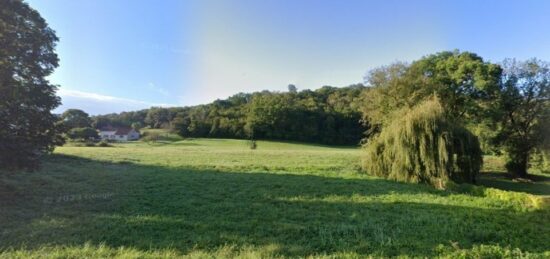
<point x="204" y="198"/>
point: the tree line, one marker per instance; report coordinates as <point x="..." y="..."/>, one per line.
<point x="328" y="115"/>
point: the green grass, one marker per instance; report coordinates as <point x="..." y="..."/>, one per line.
<point x="493" y="175"/>
<point x="206" y="198"/>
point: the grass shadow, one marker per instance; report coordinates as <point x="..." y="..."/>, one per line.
<point x="536" y="184"/>
<point x="153" y="207"/>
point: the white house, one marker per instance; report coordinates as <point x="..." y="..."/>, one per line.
<point x="118" y="134"/>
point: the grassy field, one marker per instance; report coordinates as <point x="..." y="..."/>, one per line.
<point x="210" y="198"/>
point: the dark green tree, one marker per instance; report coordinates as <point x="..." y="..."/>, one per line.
<point x="137" y="125"/>
<point x="157" y="117"/>
<point x="180" y="125"/>
<point x="27" y="56"/>
<point x="292" y="88"/>
<point x="524" y="112"/>
<point x="75" y="118"/>
<point x="462" y="81"/>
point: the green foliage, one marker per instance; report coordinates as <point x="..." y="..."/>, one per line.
<point x="524" y="112"/>
<point x="507" y="108"/>
<point x="424" y="146"/>
<point x="328" y="115"/>
<point x="104" y="143"/>
<point x="486" y="131"/>
<point x="89" y="143"/>
<point x="27" y="56"/>
<point x="74" y="118"/>
<point x="123" y="119"/>
<point x="462" y="81"/>
<point x="154" y="135"/>
<point x="137" y="125"/>
<point x="157" y="117"/>
<point x="540" y="160"/>
<point x="83" y="134"/>
<point x="150" y="137"/>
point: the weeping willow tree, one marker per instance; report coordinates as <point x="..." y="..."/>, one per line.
<point x="424" y="145"/>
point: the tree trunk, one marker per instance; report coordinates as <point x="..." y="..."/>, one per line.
<point x="522" y="165"/>
<point x="518" y="161"/>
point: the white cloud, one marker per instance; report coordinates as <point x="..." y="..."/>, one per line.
<point x="94" y="103"/>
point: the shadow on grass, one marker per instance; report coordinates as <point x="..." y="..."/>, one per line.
<point x="297" y="215"/>
<point x="536" y="184"/>
<point x="160" y="143"/>
<point x="351" y="147"/>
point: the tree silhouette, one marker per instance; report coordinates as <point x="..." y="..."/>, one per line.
<point x="27" y="55"/>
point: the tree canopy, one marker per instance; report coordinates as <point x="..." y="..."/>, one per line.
<point x="507" y="104"/>
<point x="27" y="57"/>
<point x="524" y="112"/>
<point x="75" y="118"/>
<point x="462" y="81"/>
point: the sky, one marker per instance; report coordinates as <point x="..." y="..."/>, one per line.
<point x="128" y="55"/>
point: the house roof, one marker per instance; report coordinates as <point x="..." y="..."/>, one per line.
<point x="123" y="131"/>
<point x="107" y="128"/>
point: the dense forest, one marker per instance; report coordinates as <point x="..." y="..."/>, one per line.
<point x="328" y="115"/>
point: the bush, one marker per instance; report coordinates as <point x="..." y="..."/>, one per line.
<point x="86" y="133"/>
<point x="425" y="146"/>
<point x="151" y="137"/>
<point x="252" y="144"/>
<point x="540" y="160"/>
<point x="89" y="143"/>
<point x="104" y="143"/>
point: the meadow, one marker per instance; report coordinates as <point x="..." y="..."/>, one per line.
<point x="217" y="198"/>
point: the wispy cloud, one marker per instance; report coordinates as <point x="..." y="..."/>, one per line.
<point x="160" y="90"/>
<point x="95" y="103"/>
<point x="105" y="98"/>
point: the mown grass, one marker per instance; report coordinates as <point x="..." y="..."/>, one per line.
<point x="208" y="198"/>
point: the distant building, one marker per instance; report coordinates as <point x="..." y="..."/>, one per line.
<point x="118" y="134"/>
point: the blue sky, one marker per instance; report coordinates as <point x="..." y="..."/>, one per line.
<point x="133" y="54"/>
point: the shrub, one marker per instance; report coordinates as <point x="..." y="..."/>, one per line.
<point x="86" y="133"/>
<point x="540" y="160"/>
<point x="151" y="137"/>
<point x="89" y="143"/>
<point x="252" y="144"/>
<point x="104" y="143"/>
<point x="425" y="146"/>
